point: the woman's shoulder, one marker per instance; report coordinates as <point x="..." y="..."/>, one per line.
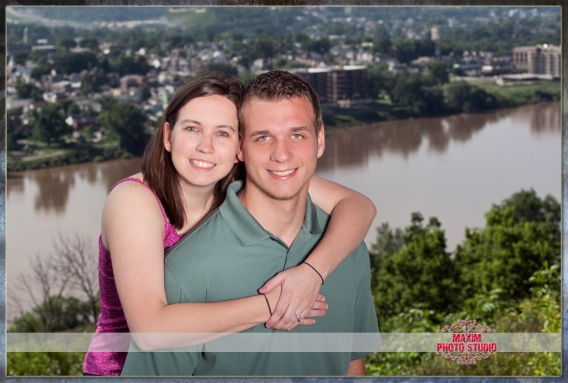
<point x="131" y="192"/>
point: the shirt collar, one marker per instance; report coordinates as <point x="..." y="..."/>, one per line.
<point x="246" y="228"/>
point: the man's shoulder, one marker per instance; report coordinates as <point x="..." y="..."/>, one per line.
<point x="323" y="221"/>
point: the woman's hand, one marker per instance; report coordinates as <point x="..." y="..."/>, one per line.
<point x="300" y="286"/>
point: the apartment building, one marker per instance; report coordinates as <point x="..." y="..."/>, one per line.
<point x="539" y="59"/>
<point x="335" y="84"/>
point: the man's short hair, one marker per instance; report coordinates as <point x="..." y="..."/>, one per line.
<point x="277" y="85"/>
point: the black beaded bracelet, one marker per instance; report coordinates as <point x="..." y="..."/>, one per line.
<point x="268" y="304"/>
<point x="315" y="271"/>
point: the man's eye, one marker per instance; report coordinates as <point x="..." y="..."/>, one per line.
<point x="297" y="136"/>
<point x="262" y="138"/>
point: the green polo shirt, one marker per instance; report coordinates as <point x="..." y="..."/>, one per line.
<point x="229" y="255"/>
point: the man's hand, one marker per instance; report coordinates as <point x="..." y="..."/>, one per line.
<point x="300" y="287"/>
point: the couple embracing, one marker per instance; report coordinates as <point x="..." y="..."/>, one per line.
<point x="247" y="250"/>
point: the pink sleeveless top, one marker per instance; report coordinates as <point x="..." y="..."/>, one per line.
<point x="111" y="318"/>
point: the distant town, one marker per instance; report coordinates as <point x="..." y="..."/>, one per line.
<point x="82" y="73"/>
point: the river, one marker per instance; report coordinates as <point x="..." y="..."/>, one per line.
<point x="453" y="168"/>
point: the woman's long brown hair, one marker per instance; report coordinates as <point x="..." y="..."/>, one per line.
<point x="157" y="166"/>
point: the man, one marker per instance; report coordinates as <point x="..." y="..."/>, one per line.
<point x="263" y="227"/>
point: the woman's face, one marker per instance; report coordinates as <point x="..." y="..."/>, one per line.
<point x="203" y="142"/>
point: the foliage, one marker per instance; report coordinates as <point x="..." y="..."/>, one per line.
<point x="417" y="94"/>
<point x="15" y="128"/>
<point x="92" y="82"/>
<point x="128" y="121"/>
<point x="439" y="72"/>
<point x="21" y="57"/>
<point x="522" y="235"/>
<point x="45" y="363"/>
<point x="66" y="42"/>
<point x="68" y="62"/>
<point x="507" y="278"/>
<point x="49" y="124"/>
<point x="70" y="311"/>
<point x="90" y="42"/>
<point x="28" y="90"/>
<point x="464" y="97"/>
<point x="130" y="65"/>
<point x="404" y="277"/>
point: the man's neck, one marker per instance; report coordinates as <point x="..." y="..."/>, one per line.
<point x="283" y="218"/>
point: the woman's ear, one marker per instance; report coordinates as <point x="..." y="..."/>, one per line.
<point x="167" y="133"/>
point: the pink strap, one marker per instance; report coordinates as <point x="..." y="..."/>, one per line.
<point x="155" y="196"/>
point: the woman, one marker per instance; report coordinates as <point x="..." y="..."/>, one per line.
<point x="150" y="211"/>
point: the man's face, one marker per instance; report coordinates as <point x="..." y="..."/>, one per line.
<point x="279" y="146"/>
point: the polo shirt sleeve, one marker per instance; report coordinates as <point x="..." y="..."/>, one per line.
<point x="365" y="315"/>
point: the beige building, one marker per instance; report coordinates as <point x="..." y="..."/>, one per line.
<point x="539" y="59"/>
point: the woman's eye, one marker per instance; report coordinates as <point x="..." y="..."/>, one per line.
<point x="223" y="134"/>
<point x="191" y="128"/>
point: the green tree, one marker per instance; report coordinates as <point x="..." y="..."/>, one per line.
<point x="40" y="69"/>
<point x="66" y="42"/>
<point x="439" y="72"/>
<point x="21" y="57"/>
<point x="45" y="363"/>
<point x="106" y="103"/>
<point x="128" y="122"/>
<point x="15" y="129"/>
<point x="414" y="92"/>
<point x="320" y="46"/>
<point x="91" y="43"/>
<point x="145" y="92"/>
<point x="380" y="80"/>
<point x="92" y="82"/>
<point x="522" y="235"/>
<point x="463" y="97"/>
<point x="69" y="314"/>
<point x="67" y="62"/>
<point x="28" y="90"/>
<point x="405" y="277"/>
<point x="130" y="65"/>
<point x="49" y="124"/>
<point x="383" y="46"/>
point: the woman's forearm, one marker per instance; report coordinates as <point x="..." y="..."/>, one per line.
<point x="188" y="324"/>
<point x="347" y="228"/>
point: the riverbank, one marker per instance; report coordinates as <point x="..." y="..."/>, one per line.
<point x="334" y="118"/>
<point x="501" y="96"/>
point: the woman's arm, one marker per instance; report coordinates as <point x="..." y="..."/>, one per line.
<point x="351" y="217"/>
<point x="132" y="229"/>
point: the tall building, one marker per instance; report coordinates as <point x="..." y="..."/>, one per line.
<point x="337" y="83"/>
<point x="539" y="59"/>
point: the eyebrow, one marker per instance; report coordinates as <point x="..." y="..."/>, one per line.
<point x="265" y="132"/>
<point x="199" y="123"/>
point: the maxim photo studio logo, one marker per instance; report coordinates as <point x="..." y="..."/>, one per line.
<point x="467" y="345"/>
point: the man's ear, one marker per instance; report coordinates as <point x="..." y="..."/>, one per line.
<point x="167" y="143"/>
<point x="321" y="141"/>
<point x="240" y="156"/>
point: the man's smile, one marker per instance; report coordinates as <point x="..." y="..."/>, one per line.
<point x="283" y="173"/>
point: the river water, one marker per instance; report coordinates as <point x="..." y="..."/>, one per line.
<point x="453" y="168"/>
